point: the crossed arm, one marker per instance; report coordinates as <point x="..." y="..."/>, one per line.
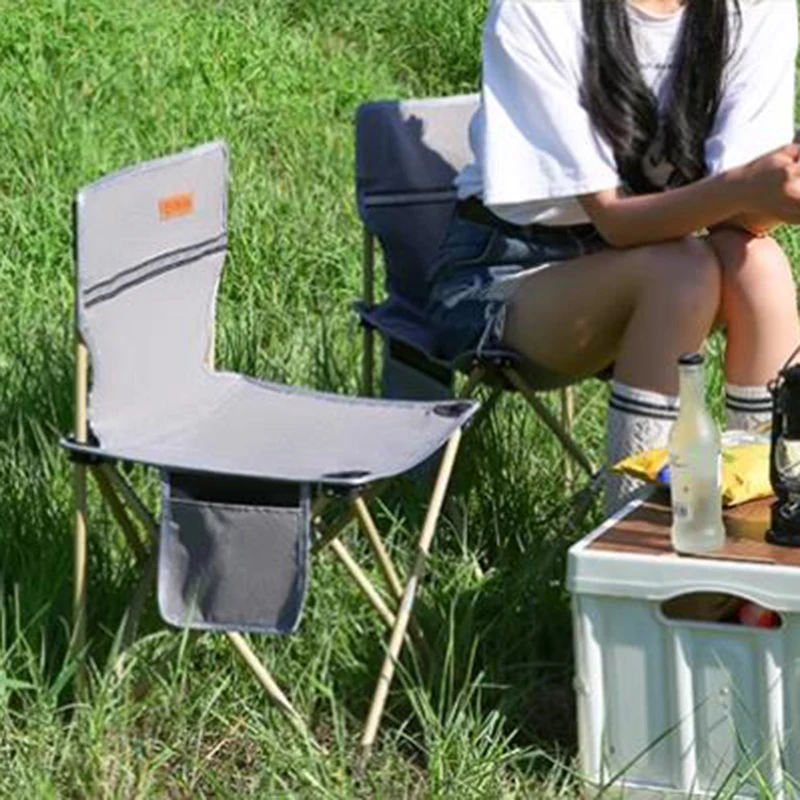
<point x="755" y="198"/>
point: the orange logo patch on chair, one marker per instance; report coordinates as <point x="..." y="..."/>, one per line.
<point x="175" y="205"/>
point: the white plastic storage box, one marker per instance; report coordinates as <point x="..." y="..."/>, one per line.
<point x="677" y="708"/>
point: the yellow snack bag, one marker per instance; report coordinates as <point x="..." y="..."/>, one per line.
<point x="745" y="467"/>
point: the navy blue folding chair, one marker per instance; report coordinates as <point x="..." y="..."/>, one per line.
<point x="407" y="156"/>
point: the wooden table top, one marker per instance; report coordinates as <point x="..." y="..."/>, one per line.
<point x="645" y="531"/>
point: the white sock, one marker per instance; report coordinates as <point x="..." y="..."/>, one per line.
<point x="638" y="419"/>
<point x="748" y="407"/>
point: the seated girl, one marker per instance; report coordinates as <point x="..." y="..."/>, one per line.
<point x="630" y="160"/>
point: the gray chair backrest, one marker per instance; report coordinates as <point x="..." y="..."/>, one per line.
<point x="150" y="247"/>
<point x="407" y="156"/>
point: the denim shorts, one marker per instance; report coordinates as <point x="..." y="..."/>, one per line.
<point x="481" y="260"/>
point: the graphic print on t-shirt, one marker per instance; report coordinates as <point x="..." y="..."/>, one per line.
<point x="657" y="169"/>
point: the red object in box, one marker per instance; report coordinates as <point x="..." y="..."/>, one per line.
<point x="757" y="616"/>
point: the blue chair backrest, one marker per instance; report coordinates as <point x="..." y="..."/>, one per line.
<point x="407" y="156"/>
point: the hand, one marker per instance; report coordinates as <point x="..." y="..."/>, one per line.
<point x="749" y="224"/>
<point x="770" y="185"/>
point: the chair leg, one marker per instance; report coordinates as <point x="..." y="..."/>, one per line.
<point x="79" y="587"/>
<point x="364" y="583"/>
<point x="567" y="420"/>
<point x="120" y="514"/>
<point x="139" y="509"/>
<point x="326" y="531"/>
<point x="268" y="682"/>
<point x="404" y="614"/>
<point x="368" y="274"/>
<point x="145" y="560"/>
<point x="388" y="570"/>
<point x="486" y="407"/>
<point x="109" y="482"/>
<point x="584" y="500"/>
<point x="550" y="420"/>
<point x="329" y="537"/>
<point x="78" y="643"/>
<point x="133" y="613"/>
<point x="381" y="554"/>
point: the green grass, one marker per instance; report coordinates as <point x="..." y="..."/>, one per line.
<point x="89" y="86"/>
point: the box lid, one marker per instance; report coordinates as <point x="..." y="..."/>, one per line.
<point x="631" y="555"/>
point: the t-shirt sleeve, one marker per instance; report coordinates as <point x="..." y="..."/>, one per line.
<point x="756" y="113"/>
<point x="538" y="141"/>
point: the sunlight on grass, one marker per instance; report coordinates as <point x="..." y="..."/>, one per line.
<point x="89" y="86"/>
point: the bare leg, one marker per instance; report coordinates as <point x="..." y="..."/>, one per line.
<point x="758" y="308"/>
<point x="640" y="308"/>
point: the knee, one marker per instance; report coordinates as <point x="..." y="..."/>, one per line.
<point x="750" y="264"/>
<point x="685" y="273"/>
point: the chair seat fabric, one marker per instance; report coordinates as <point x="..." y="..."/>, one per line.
<point x="251" y="428"/>
<point x="402" y="322"/>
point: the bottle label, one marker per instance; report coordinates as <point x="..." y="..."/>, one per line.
<point x="692" y="492"/>
<point x="680" y="482"/>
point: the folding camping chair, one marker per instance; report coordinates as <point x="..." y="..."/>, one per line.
<point x="245" y="464"/>
<point x="407" y="155"/>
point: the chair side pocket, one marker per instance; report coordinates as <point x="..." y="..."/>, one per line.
<point x="233" y="554"/>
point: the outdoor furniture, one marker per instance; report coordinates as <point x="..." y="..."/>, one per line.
<point x="407" y="156"/>
<point x="246" y="465"/>
<point x="675" y="700"/>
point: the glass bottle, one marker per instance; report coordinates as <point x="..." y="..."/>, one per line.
<point x="695" y="461"/>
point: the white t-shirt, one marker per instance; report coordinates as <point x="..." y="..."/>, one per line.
<point x="535" y="148"/>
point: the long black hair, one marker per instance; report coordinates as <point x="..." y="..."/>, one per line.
<point x="624" y="109"/>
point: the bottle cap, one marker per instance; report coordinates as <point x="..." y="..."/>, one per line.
<point x="691" y="359"/>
